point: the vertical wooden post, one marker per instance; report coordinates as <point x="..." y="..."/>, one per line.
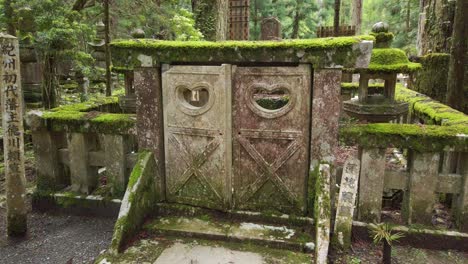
<point x="421" y="196"/>
<point x="371" y="184"/>
<point x="115" y="151"/>
<point x="50" y="173"/>
<point x="461" y="212"/>
<point x="150" y="126"/>
<point x="13" y="136"/>
<point x="84" y="178"/>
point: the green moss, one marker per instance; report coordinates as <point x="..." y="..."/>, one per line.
<point x="138" y="169"/>
<point x="311" y="191"/>
<point x="91" y="105"/>
<point x="193" y="46"/>
<point x="318" y="52"/>
<point x="391" y="61"/>
<point x="431" y="80"/>
<point x="430" y="110"/>
<point x="416" y="137"/>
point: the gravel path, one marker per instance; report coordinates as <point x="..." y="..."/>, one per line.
<point x="56" y="239"/>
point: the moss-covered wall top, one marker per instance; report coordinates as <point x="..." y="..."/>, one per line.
<point x="431" y="111"/>
<point x="416" y="137"/>
<point x="326" y="52"/>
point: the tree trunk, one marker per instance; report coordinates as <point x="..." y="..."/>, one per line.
<point x="436" y="28"/>
<point x="458" y="58"/>
<point x="357" y="15"/>
<point x="107" y="48"/>
<point x="9" y="18"/>
<point x="49" y="84"/>
<point x="336" y="21"/>
<point x="297" y="20"/>
<point x="211" y="18"/>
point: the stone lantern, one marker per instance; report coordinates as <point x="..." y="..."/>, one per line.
<point x="385" y="64"/>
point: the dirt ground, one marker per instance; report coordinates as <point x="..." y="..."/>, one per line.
<point x="56" y="239"/>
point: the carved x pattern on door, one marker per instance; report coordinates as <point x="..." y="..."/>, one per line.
<point x="194" y="161"/>
<point x="269" y="170"/>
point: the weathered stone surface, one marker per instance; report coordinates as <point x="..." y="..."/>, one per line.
<point x="147" y="83"/>
<point x="322" y="214"/>
<point x="139" y="201"/>
<point x="13" y="135"/>
<point x="346" y="202"/>
<point x="270" y="29"/>
<point x="116" y="149"/>
<point x="371" y="184"/>
<point x="188" y="254"/>
<point x="325" y="115"/>
<point x="421" y="195"/>
<point x="197" y="135"/>
<point x="270" y="144"/>
<point x="84" y="178"/>
<point x="50" y="172"/>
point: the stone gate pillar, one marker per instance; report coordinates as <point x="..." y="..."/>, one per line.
<point x="147" y="81"/>
<point x="13" y="140"/>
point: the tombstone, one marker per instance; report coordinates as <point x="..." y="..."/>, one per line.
<point x="13" y="140"/>
<point x="271" y="29"/>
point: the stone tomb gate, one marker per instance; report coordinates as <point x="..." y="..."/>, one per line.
<point x="239" y="125"/>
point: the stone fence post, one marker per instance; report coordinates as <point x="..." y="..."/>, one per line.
<point x="13" y="140"/>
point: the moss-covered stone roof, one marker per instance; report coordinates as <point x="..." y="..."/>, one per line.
<point x="85" y="118"/>
<point x="417" y="137"/>
<point x="388" y="60"/>
<point x="320" y="52"/>
<point x="391" y="61"/>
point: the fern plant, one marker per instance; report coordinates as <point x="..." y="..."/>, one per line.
<point x="383" y="232"/>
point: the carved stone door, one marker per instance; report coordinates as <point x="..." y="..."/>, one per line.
<point x="197" y="135"/>
<point x="271" y="113"/>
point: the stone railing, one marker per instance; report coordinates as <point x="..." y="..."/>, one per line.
<point x="424" y="178"/>
<point x="435" y="138"/>
<point x="73" y="144"/>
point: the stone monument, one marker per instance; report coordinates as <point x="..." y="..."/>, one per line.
<point x="13" y="140"/>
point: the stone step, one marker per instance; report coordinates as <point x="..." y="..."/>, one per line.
<point x="172" y="209"/>
<point x="205" y="227"/>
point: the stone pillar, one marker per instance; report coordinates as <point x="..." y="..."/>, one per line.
<point x="371" y="184"/>
<point x="13" y="136"/>
<point x="326" y="105"/>
<point x="116" y="149"/>
<point x="421" y="195"/>
<point x="150" y="125"/>
<point x="50" y="172"/>
<point x="84" y="178"/>
<point x="323" y="216"/>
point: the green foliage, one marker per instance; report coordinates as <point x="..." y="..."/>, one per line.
<point x="163" y="19"/>
<point x="402" y="17"/>
<point x="383" y="232"/>
<point x="299" y="18"/>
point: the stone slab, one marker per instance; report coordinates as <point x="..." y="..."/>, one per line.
<point x="187" y="254"/>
